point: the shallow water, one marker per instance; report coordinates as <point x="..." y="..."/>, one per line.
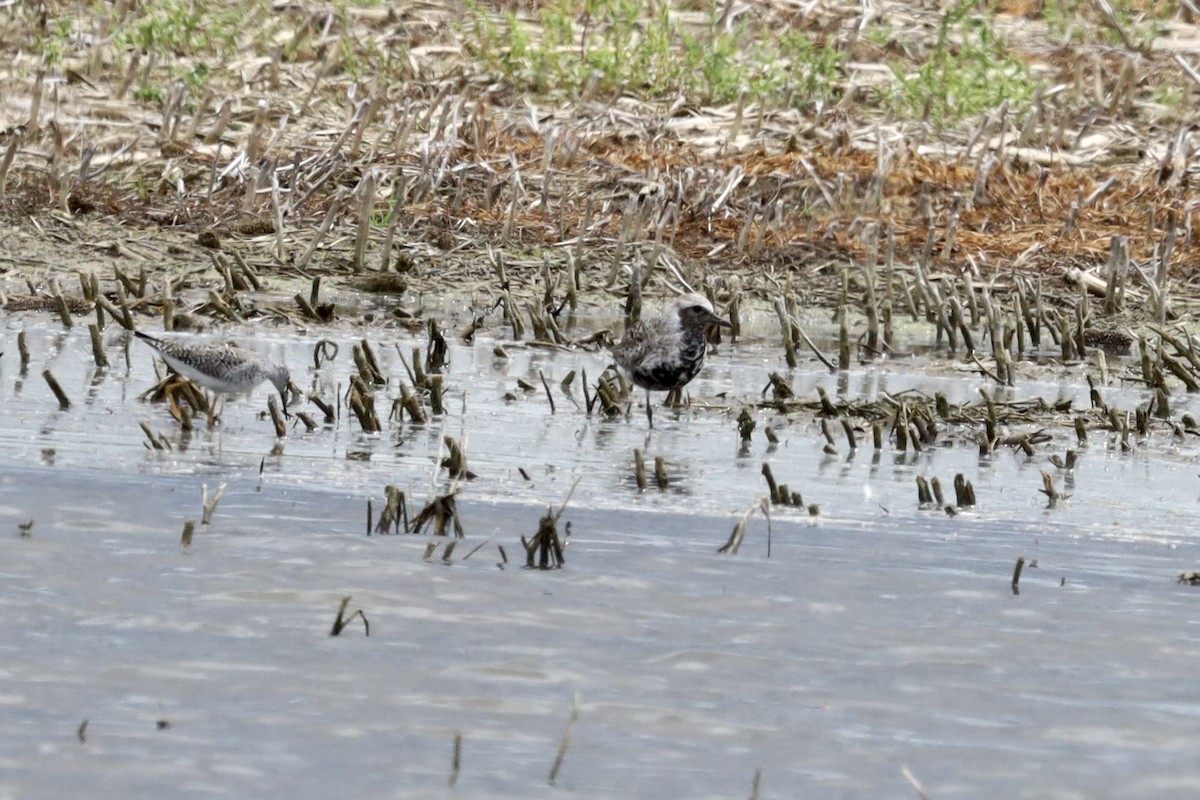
<point x="876" y="636"/>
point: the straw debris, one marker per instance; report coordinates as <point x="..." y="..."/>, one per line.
<point x="341" y="620"/>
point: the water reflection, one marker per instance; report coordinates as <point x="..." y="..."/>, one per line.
<point x="711" y="469"/>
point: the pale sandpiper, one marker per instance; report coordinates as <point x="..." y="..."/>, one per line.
<point x="220" y="367"/>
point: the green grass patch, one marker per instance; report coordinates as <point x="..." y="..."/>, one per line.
<point x="184" y="40"/>
<point x="1079" y="22"/>
<point x="622" y="45"/>
<point x="969" y="71"/>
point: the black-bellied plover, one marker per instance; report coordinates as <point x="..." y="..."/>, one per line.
<point x="665" y="352"/>
<point x="220" y="367"/>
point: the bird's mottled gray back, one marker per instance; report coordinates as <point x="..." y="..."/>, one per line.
<point x="646" y="338"/>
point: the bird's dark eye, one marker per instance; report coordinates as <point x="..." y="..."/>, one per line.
<point x="698" y="309"/>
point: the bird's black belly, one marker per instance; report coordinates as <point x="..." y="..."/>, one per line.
<point x="665" y="377"/>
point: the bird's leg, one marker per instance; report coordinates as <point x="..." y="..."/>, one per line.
<point x="649" y="409"/>
<point x="213" y="414"/>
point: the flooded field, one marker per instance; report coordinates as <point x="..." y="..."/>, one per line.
<point x="836" y="650"/>
<point x="972" y="588"/>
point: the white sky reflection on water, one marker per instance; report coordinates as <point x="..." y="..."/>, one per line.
<point x="875" y="637"/>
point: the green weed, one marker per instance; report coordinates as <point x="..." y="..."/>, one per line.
<point x="969" y="72"/>
<point x="192" y="40"/>
<point x="1078" y="21"/>
<point x="620" y="45"/>
<point x="52" y="43"/>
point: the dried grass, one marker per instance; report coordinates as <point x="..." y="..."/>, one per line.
<point x="274" y="148"/>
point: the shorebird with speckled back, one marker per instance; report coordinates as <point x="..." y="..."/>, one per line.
<point x="665" y="352"/>
<point x="220" y="367"/>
